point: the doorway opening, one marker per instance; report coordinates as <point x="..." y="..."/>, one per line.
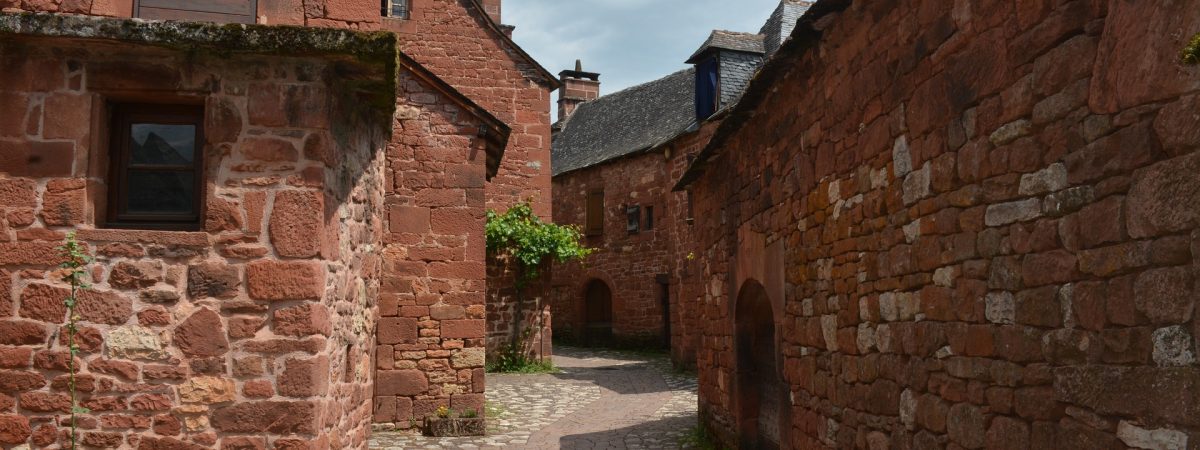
<point x="761" y="393"/>
<point x="598" y="314"/>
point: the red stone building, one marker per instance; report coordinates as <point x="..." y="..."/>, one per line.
<point x="927" y="226"/>
<point x="288" y="221"/>
<point x="616" y="159"/>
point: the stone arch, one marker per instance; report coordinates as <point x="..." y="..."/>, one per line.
<point x="597" y="317"/>
<point x="760" y="395"/>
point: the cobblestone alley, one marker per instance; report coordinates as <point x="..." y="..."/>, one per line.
<point x="601" y="400"/>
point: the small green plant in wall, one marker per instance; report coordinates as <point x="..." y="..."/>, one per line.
<point x="75" y="261"/>
<point x="528" y="243"/>
<point x="1191" y="53"/>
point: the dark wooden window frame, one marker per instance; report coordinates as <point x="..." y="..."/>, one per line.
<point x="123" y="116"/>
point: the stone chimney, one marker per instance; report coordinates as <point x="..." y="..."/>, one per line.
<point x="577" y="87"/>
<point x="779" y="27"/>
<point x="492" y="8"/>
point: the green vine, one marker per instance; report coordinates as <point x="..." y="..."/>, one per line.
<point x="75" y="261"/>
<point x="1191" y="53"/>
<point x="529" y="243"/>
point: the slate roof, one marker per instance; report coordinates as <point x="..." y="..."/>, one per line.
<point x="730" y="40"/>
<point x="626" y="122"/>
<point x="764" y="82"/>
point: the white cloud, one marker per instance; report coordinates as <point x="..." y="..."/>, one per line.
<point x="627" y="41"/>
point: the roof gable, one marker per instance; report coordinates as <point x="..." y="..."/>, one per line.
<point x="729" y="40"/>
<point x="626" y="122"/>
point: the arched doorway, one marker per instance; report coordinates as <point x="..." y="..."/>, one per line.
<point x="761" y="393"/>
<point x="597" y="314"/>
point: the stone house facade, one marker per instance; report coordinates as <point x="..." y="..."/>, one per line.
<point x="462" y="41"/>
<point x="616" y="159"/>
<point x="302" y="253"/>
<point x="980" y="235"/>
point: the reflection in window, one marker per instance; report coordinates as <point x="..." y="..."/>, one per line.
<point x="155" y="177"/>
<point x="395" y="8"/>
<point x="634" y="215"/>
<point x="157" y="144"/>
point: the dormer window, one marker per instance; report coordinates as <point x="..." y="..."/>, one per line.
<point x="708" y="87"/>
<point x="397" y="9"/>
<point x="724" y="65"/>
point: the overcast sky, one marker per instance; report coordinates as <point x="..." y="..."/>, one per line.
<point x="628" y="42"/>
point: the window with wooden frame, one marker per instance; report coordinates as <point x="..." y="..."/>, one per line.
<point x="398" y="9"/>
<point x="156" y="173"/>
<point x="594" y="225"/>
<point x="219" y="11"/>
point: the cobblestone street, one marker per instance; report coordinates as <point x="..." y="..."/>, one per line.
<point x="602" y="399"/>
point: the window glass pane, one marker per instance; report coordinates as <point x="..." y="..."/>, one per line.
<point x="161" y="192"/>
<point x="159" y="144"/>
<point x="396" y="8"/>
<point x="634" y="214"/>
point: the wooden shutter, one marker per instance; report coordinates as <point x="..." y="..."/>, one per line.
<point x="595" y="213"/>
<point x="220" y="11"/>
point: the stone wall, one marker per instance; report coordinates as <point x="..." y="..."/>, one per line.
<point x="985" y="219"/>
<point x="624" y="260"/>
<point x="532" y="332"/>
<point x="255" y="331"/>
<point x="453" y="39"/>
<point x="627" y="263"/>
<point x="430" y="349"/>
<point x="687" y="285"/>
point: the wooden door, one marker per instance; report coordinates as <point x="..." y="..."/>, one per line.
<point x="598" y="314"/>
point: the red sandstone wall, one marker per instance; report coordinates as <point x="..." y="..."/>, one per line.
<point x="112" y="8"/>
<point x="988" y="216"/>
<point x="431" y="333"/>
<point x="452" y="39"/>
<point x="256" y="331"/>
<point x="687" y="286"/>
<point x="628" y="263"/>
<point x="640" y="258"/>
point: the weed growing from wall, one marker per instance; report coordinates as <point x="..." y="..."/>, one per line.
<point x="75" y="261"/>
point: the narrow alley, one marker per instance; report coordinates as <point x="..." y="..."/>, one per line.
<point x="601" y="399"/>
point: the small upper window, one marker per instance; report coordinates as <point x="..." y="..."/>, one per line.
<point x="156" y="172"/>
<point x="708" y="88"/>
<point x="690" y="217"/>
<point x="634" y="215"/>
<point x="396" y="8"/>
